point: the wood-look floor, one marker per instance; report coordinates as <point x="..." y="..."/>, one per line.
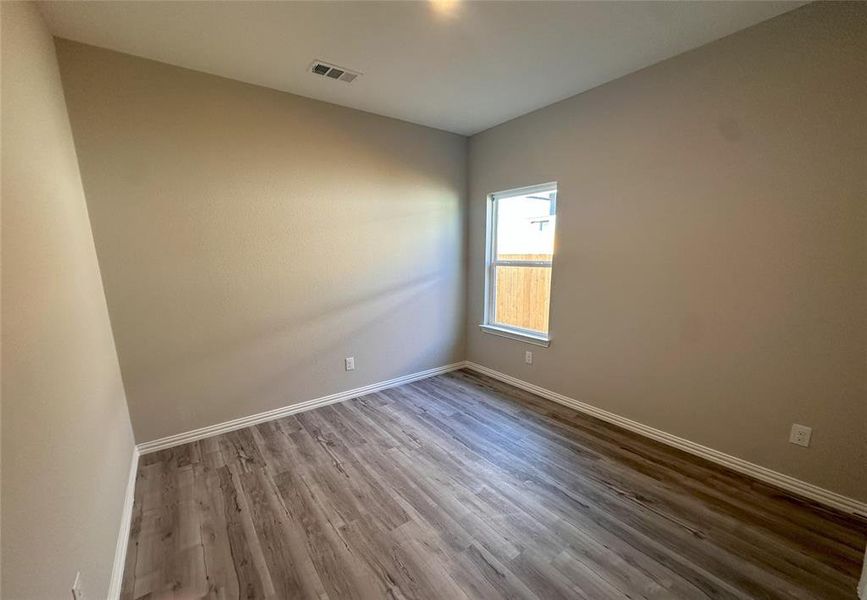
<point x="463" y="487"/>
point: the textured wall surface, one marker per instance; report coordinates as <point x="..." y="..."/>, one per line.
<point x="250" y="239"/>
<point x="66" y="434"/>
<point x="709" y="278"/>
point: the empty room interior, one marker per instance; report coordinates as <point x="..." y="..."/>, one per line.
<point x="434" y="300"/>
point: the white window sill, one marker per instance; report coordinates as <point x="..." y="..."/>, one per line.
<point x="521" y="336"/>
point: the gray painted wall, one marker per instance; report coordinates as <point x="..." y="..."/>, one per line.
<point x="66" y="435"/>
<point x="709" y="277"/>
<point x="250" y="239"/>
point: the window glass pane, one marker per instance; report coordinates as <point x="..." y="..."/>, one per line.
<point x="522" y="297"/>
<point x="525" y="226"/>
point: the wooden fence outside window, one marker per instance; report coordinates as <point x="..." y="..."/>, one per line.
<point x="523" y="294"/>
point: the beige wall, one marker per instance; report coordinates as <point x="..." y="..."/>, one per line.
<point x="66" y="436"/>
<point x="710" y="270"/>
<point x="249" y="239"/>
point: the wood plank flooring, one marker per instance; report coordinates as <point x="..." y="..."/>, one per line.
<point x="461" y="487"/>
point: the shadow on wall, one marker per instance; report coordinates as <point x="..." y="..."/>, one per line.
<point x="378" y="310"/>
<point x="291" y="325"/>
<point x="264" y="365"/>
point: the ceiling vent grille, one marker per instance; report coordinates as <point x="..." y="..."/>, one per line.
<point x="324" y="69"/>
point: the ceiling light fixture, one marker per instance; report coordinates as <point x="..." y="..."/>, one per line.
<point x="445" y="8"/>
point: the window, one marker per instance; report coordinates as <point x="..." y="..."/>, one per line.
<point x="521" y="225"/>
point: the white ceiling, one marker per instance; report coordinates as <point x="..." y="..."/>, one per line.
<point x="456" y="65"/>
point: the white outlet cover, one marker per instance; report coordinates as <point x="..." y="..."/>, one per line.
<point x="349" y="363"/>
<point x="528" y="357"/>
<point x="800" y="435"/>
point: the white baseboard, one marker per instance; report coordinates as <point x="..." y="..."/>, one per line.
<point x="116" y="581"/>
<point x="786" y="482"/>
<point x="862" y="585"/>
<point x="270" y="415"/>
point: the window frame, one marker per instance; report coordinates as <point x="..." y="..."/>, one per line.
<point x="491" y="264"/>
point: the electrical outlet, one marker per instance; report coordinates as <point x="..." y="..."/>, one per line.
<point x="800" y="435"/>
<point x="77" y="592"/>
<point x="528" y="357"/>
<point x="349" y="363"/>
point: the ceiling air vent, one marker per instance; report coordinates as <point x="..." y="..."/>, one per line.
<point x="318" y="67"/>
